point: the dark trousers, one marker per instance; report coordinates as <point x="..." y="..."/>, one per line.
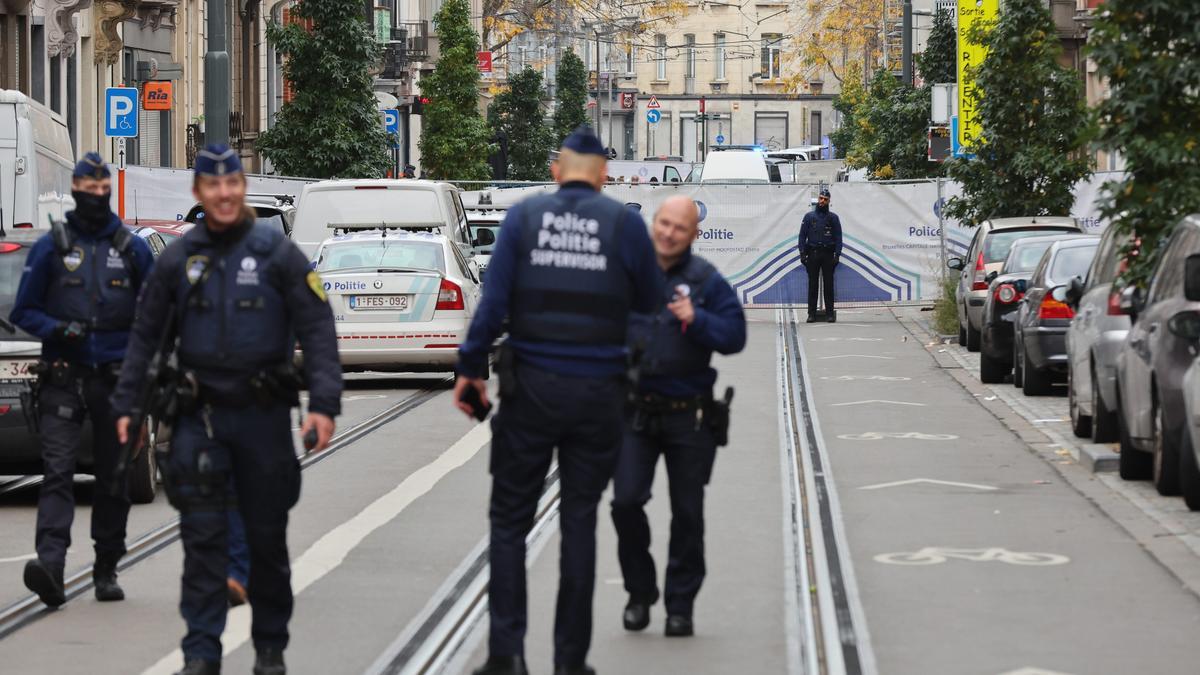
<point x="581" y="417"/>
<point x="689" y="453"/>
<point x="249" y="463"/>
<point x="820" y="268"/>
<point x="63" y="410"/>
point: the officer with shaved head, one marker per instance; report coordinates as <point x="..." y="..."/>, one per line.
<point x="674" y="416"/>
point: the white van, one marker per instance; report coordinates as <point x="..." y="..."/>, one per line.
<point x="747" y="167"/>
<point x="35" y="163"/>
<point x="355" y="205"/>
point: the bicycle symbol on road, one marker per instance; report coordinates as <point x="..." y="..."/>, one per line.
<point x="937" y="556"/>
<point x="902" y="435"/>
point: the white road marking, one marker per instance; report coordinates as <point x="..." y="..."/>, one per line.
<point x="935" y="556"/>
<point x="23" y="558"/>
<point x="858" y="356"/>
<point x="1029" y="670"/>
<point x="331" y="550"/>
<point x="903" y="435"/>
<point x="363" y="397"/>
<point x="876" y="400"/>
<point x="845" y="339"/>
<point x="932" y="481"/>
<point x="852" y="378"/>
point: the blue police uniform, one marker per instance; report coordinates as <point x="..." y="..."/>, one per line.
<point x="670" y="418"/>
<point x="567" y="270"/>
<point x="243" y="297"/>
<point x="78" y="294"/>
<point x="820" y="247"/>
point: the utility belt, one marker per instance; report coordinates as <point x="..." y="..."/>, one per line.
<point x="266" y="387"/>
<point x="647" y="411"/>
<point x="66" y="374"/>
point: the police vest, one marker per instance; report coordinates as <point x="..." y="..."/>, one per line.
<point x="236" y="319"/>
<point x="663" y="345"/>
<point x="570" y="284"/>
<point x="93" y="282"/>
<point x="820" y="232"/>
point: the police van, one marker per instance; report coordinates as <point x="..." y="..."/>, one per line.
<point x="354" y="205"/>
<point x="36" y="161"/>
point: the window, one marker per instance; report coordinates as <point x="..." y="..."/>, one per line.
<point x="1071" y="262"/>
<point x="660" y="56"/>
<point x="39" y="64"/>
<point x="630" y="61"/>
<point x="719" y="56"/>
<point x="690" y="41"/>
<point x="772" y="59"/>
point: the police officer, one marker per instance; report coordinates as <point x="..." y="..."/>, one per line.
<point x="243" y="295"/>
<point x="820" y="251"/>
<point x="567" y="270"/>
<point x="673" y="415"/>
<point x="78" y="294"/>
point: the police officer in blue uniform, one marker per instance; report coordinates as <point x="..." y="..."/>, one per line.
<point x="567" y="270"/>
<point x="820" y="251"/>
<point x="243" y="295"/>
<point x="78" y="294"/>
<point x="673" y="415"/>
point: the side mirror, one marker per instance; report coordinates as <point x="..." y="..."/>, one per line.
<point x="1191" y="277"/>
<point x="484" y="238"/>
<point x="991" y="277"/>
<point x="1185" y="325"/>
<point x="1021" y="285"/>
<point x="1074" y="292"/>
<point x="955" y="263"/>
<point x="1132" y="302"/>
<point x="1059" y="293"/>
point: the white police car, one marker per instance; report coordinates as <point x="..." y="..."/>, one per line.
<point x="402" y="301"/>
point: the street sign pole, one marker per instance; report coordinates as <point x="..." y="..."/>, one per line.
<point x="121" y="178"/>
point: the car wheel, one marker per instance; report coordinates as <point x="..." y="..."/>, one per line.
<point x="1189" y="472"/>
<point x="992" y="371"/>
<point x="974" y="337"/>
<point x="1035" y="382"/>
<point x="962" y="336"/>
<point x="143" y="471"/>
<point x="1080" y="424"/>
<point x="1018" y="366"/>
<point x="1165" y="457"/>
<point x="1134" y="464"/>
<point x="1104" y="421"/>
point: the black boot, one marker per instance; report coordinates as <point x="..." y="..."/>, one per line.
<point x="200" y="667"/>
<point x="269" y="661"/>
<point x="812" y="318"/>
<point x="104" y="577"/>
<point x="574" y="670"/>
<point x="679" y="626"/>
<point x="831" y="316"/>
<point x="503" y="665"/>
<point x="636" y="616"/>
<point x="46" y="581"/>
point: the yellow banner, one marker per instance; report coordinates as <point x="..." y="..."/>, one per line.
<point x="971" y="13"/>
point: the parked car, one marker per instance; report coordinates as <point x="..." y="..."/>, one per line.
<point x="989" y="248"/>
<point x="277" y="211"/>
<point x="158" y="243"/>
<point x="1186" y="326"/>
<point x="484" y="223"/>
<point x="402" y="301"/>
<point x="1040" y="327"/>
<point x="1006" y="288"/>
<point x="1151" y="364"/>
<point x="1094" y="340"/>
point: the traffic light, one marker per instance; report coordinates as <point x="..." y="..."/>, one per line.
<point x="418" y="104"/>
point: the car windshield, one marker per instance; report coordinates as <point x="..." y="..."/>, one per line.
<point x="1024" y="257"/>
<point x="477" y="227"/>
<point x="1071" y="262"/>
<point x="421" y="255"/>
<point x="999" y="243"/>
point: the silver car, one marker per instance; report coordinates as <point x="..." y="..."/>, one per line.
<point x="1094" y="340"/>
<point x="989" y="248"/>
<point x="1151" y="365"/>
<point x="1186" y="325"/>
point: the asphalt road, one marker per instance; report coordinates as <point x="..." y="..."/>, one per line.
<point x="873" y="513"/>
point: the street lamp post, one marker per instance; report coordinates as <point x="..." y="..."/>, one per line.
<point x="216" y="77"/>
<point x="906" y="53"/>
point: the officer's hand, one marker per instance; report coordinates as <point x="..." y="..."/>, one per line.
<point x="460" y="387"/>
<point x="837" y="259"/>
<point x="324" y="427"/>
<point x="683" y="310"/>
<point x="70" y="332"/>
<point x="123" y="429"/>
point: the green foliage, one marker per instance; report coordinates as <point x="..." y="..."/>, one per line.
<point x="939" y="63"/>
<point x="1034" y="123"/>
<point x="891" y="129"/>
<point x="1150" y="54"/>
<point x="517" y="113"/>
<point x="571" y="111"/>
<point x="331" y="128"/>
<point x="945" y="308"/>
<point x="454" y="137"/>
<point x="853" y="93"/>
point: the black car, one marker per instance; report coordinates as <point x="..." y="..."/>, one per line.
<point x="1040" y="329"/>
<point x="1005" y="290"/>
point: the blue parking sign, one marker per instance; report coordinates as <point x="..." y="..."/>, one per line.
<point x="391" y="123"/>
<point x="121" y="112"/>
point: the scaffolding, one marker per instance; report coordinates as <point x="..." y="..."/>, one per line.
<point x="893" y="35"/>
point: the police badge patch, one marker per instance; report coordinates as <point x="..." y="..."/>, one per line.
<point x="196" y="268"/>
<point x="73" y="259"/>
<point x="315" y="285"/>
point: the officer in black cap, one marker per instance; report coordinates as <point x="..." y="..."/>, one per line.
<point x="567" y="270"/>
<point x="243" y="295"/>
<point x="820" y="251"/>
<point x="673" y="414"/>
<point x="78" y="294"/>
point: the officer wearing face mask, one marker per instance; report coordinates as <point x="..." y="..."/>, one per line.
<point x="820" y="252"/>
<point x="78" y="294"/>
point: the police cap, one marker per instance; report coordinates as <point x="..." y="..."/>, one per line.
<point x="825" y="193"/>
<point x="217" y="160"/>
<point x="582" y="141"/>
<point x="91" y="166"/>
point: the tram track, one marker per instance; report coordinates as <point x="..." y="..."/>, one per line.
<point x="18" y="484"/>
<point x="29" y="609"/>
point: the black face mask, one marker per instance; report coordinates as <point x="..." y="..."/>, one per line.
<point x="92" y="210"/>
<point x="823" y="208"/>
